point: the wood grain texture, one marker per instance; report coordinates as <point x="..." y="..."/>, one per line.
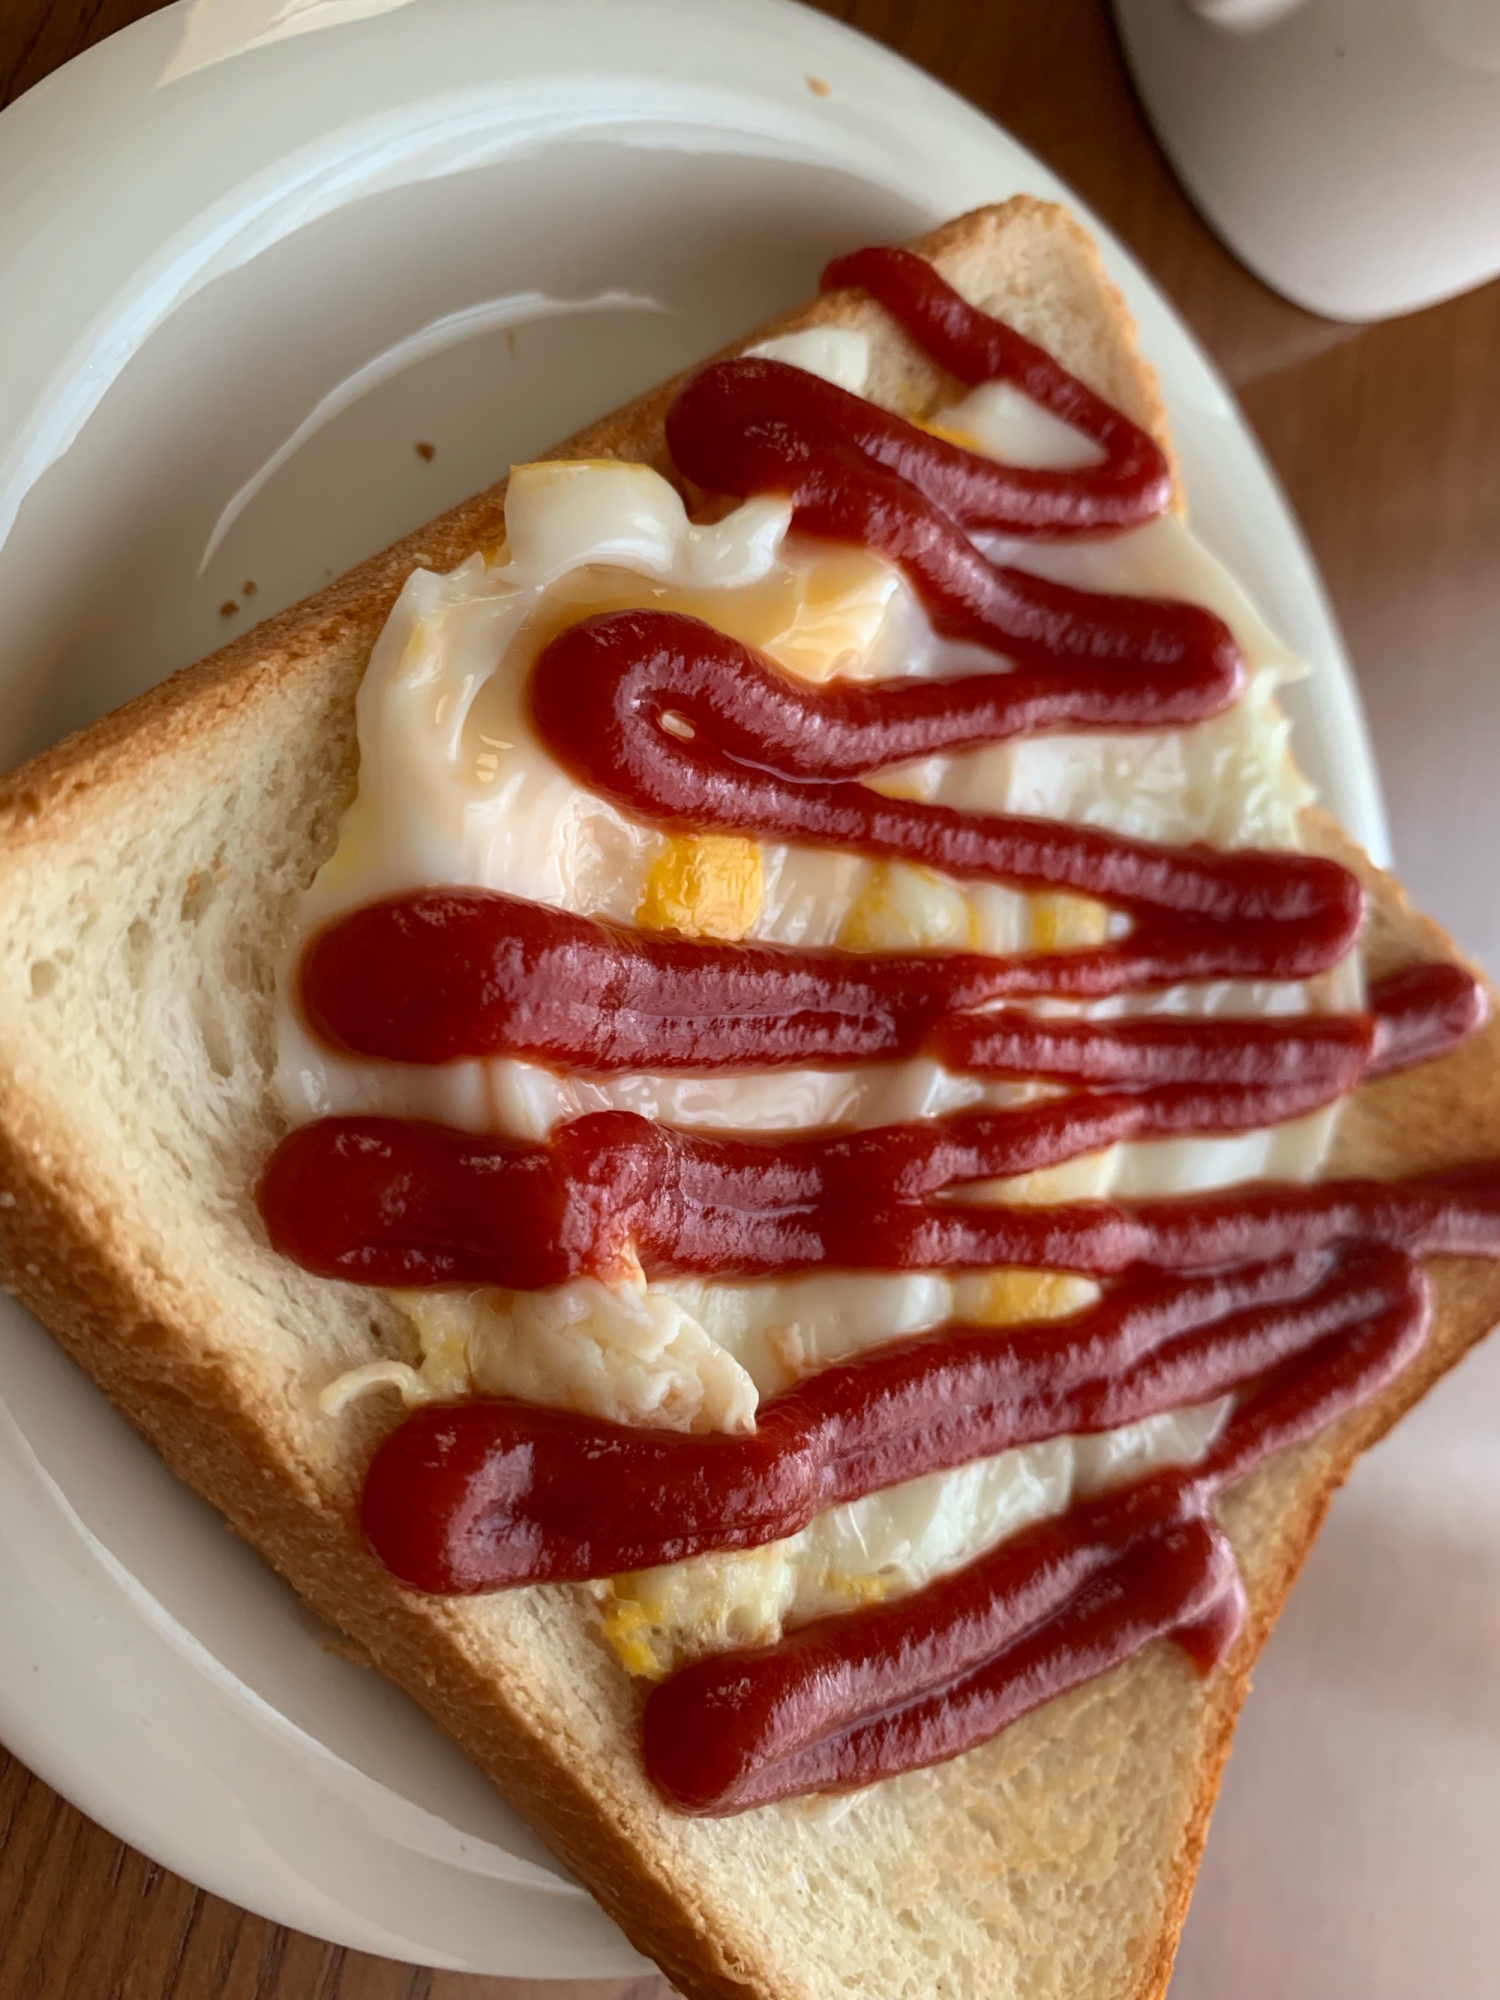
<point x="83" y="1917"/>
<point x="1386" y="438"/>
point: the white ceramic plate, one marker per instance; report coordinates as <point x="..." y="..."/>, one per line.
<point x="254" y="252"/>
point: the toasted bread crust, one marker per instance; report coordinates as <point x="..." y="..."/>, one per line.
<point x="143" y="1327"/>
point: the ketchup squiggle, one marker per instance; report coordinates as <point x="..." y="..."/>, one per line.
<point x="1300" y="1302"/>
<point x="398" y="1202"/>
<point x="393" y="1201"/>
<point x="582" y="1498"/>
<point x="844" y="1701"/>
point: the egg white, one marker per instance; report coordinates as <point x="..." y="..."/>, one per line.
<point x="455" y="787"/>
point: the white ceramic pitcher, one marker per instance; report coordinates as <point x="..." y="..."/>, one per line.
<point x="1347" y="150"/>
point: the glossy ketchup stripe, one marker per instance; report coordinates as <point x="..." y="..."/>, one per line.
<point x="859" y="473"/>
<point x="392" y="1201"/>
<point x="443" y="974"/>
<point x="400" y="1202"/>
<point x="843" y="1701"/>
<point x="568" y="1497"/>
<point x="721" y="1740"/>
<point x="1416" y="1014"/>
<point x="639" y="665"/>
<point x="1422" y="1012"/>
<point x="760" y="427"/>
<point x="447" y="973"/>
<point x="1130" y="484"/>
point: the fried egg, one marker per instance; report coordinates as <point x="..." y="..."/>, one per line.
<point x="456" y="788"/>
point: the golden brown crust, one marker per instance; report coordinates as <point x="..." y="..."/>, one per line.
<point x="139" y="1330"/>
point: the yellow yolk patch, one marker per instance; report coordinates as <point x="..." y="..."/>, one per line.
<point x="1011" y="1298"/>
<point x="444" y="1321"/>
<point x="628" y="1627"/>
<point x="903" y="908"/>
<point x="708" y="886"/>
<point x="839" y="603"/>
<point x="1061" y="923"/>
<point x="656" y="1619"/>
<point x="951" y="434"/>
<point x="818" y="617"/>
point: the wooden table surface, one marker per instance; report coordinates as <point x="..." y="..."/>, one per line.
<point x="1386" y="439"/>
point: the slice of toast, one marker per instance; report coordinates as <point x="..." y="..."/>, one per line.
<point x="148" y="869"/>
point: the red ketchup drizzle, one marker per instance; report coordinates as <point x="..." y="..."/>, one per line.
<point x="570" y="1497"/>
<point x="394" y="1201"/>
<point x="1298" y="1302"/>
<point x="447" y="973"/>
<point x="600" y="691"/>
<point x="1131" y="484"/>
<point x="843" y="1701"/>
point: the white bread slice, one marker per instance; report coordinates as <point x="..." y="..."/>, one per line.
<point x="147" y="871"/>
